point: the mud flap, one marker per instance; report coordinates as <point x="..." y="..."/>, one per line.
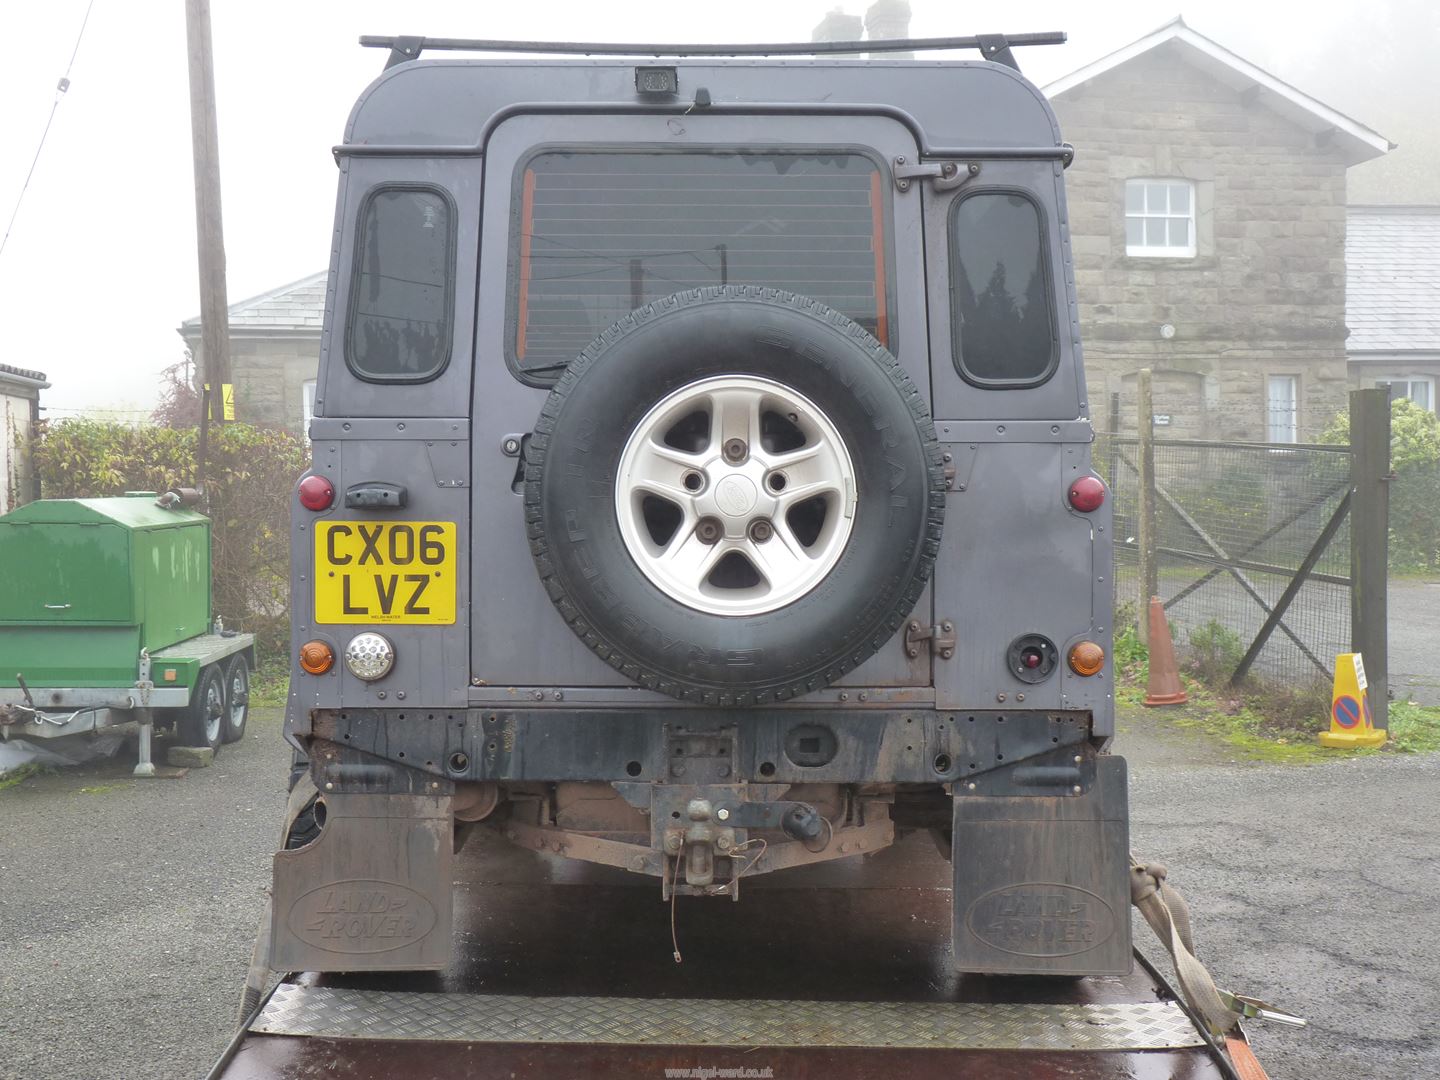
<point x="1042" y="882"/>
<point x="371" y="893"/>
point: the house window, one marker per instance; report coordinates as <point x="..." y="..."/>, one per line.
<point x="1160" y="218"/>
<point x="307" y="406"/>
<point x="1282" y="408"/>
<point x="1418" y="388"/>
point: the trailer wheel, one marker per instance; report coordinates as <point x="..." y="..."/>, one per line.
<point x="237" y="698"/>
<point x="202" y="722"/>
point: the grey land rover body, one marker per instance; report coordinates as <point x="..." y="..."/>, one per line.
<point x="702" y="486"/>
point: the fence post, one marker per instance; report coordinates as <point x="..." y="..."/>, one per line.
<point x="1370" y="541"/>
<point x="1149" y="575"/>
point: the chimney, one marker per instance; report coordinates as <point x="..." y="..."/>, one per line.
<point x="837" y="26"/>
<point x="889" y="19"/>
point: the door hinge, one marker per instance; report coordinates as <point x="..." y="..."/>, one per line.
<point x="941" y="638"/>
<point x="944" y="175"/>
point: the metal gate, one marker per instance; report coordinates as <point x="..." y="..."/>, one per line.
<point x="1251" y="550"/>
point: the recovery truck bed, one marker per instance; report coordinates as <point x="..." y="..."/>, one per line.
<point x="553" y="979"/>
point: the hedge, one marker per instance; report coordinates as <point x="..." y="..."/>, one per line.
<point x="249" y="476"/>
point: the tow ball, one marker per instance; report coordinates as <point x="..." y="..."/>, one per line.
<point x="712" y="828"/>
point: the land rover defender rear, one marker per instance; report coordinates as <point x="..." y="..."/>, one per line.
<point x="702" y="486"/>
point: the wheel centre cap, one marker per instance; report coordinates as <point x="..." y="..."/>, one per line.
<point x="735" y="495"/>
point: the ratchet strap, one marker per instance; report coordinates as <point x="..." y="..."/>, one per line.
<point x="1169" y="916"/>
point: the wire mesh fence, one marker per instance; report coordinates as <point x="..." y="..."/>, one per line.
<point x="1234" y="522"/>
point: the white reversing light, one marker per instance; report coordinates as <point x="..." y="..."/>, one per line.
<point x="369" y="656"/>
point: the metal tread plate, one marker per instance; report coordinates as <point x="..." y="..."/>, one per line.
<point x="338" y="1013"/>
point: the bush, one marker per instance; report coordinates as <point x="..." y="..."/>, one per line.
<point x="1215" y="653"/>
<point x="249" y="476"/>
<point x="1415" y="491"/>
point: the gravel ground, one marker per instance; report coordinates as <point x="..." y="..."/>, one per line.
<point x="127" y="908"/>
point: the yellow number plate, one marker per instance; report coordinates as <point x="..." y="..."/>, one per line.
<point x="385" y="572"/>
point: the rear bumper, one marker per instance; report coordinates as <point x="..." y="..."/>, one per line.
<point x="999" y="753"/>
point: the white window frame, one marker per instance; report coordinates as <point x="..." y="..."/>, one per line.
<point x="1282" y="425"/>
<point x="1383" y="381"/>
<point x="1148" y="213"/>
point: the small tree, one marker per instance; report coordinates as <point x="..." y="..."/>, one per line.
<point x="179" y="400"/>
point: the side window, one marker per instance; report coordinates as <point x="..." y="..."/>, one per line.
<point x="599" y="233"/>
<point x="1003" y="317"/>
<point x="401" y="297"/>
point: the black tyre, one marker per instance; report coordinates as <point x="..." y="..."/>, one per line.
<point x="734" y="495"/>
<point x="237" y="698"/>
<point x="202" y="722"/>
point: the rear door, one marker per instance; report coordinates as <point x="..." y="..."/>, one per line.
<point x="588" y="217"/>
<point x="1017" y="563"/>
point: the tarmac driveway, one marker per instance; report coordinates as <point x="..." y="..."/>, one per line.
<point x="127" y="908"/>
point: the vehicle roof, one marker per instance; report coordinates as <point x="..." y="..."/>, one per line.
<point x="952" y="106"/>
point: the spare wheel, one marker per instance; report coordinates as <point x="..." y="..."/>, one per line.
<point x="734" y="495"/>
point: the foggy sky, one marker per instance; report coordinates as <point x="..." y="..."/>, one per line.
<point x="100" y="267"/>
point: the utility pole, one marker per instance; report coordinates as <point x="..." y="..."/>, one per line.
<point x="212" y="366"/>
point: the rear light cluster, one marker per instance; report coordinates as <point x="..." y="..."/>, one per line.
<point x="1087" y="494"/>
<point x="369" y="656"/>
<point x="316" y="493"/>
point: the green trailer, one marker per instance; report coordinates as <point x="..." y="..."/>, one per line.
<point x="106" y="620"/>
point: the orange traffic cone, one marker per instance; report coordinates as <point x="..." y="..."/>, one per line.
<point x="1164" y="688"/>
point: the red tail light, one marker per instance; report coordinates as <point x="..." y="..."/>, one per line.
<point x="316" y="493"/>
<point x="1087" y="494"/>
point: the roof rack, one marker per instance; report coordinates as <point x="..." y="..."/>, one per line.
<point x="994" y="47"/>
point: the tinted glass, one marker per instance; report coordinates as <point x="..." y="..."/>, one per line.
<point x="600" y="234"/>
<point x="1000" y="293"/>
<point x="400" y="307"/>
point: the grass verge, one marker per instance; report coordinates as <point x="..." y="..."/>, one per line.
<point x="19" y="775"/>
<point x="1263" y="722"/>
<point x="270" y="684"/>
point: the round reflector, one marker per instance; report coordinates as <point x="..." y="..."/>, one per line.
<point x="316" y="493"/>
<point x="369" y="656"/>
<point x="1086" y="658"/>
<point x="1087" y="494"/>
<point x="316" y="657"/>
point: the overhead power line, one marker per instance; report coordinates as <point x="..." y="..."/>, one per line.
<point x="60" y="88"/>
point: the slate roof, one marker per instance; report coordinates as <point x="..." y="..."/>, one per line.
<point x="299" y="305"/>
<point x="1359" y="142"/>
<point x="1392" y="279"/>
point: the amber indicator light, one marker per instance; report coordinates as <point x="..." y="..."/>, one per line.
<point x="1087" y="658"/>
<point x="316" y="657"/>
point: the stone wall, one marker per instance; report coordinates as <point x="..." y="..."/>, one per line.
<point x="270" y="373"/>
<point x="1265" y="293"/>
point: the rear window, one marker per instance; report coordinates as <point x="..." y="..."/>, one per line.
<point x="598" y="234"/>
<point x="1000" y="291"/>
<point x="400" y="301"/>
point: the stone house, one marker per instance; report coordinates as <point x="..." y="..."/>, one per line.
<point x="1207" y="219"/>
<point x="274" y="352"/>
<point x="19" y="413"/>
<point x="1207" y="203"/>
<point x="1392" y="299"/>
